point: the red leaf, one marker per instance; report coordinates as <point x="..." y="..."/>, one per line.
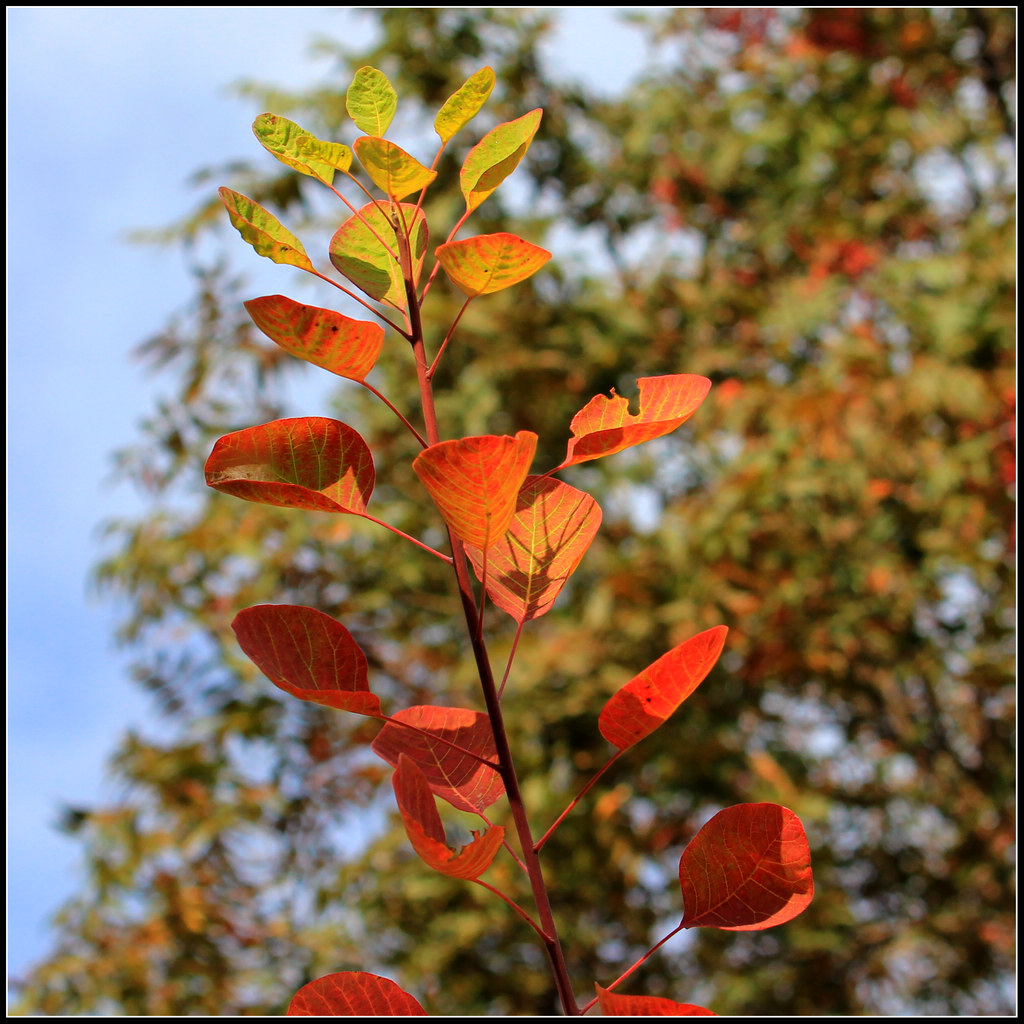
<point x="649" y="699"/>
<point x="550" y="532"/>
<point x="426" y="832"/>
<point x="475" y="481"/>
<point x="615" y="1005"/>
<point x="353" y="994"/>
<point x="323" y="337"/>
<point x="451" y="774"/>
<point x="605" y="425"/>
<point x="310" y="462"/>
<point x="307" y="654"/>
<point x="485" y="264"/>
<point x="748" y="868"/>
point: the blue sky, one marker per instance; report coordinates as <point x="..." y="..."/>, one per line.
<point x="109" y="110"/>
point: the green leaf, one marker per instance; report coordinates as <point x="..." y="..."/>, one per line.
<point x="496" y="156"/>
<point x="390" y="168"/>
<point x="371" y="101"/>
<point x="263" y="231"/>
<point x="357" y="251"/>
<point x="460" y="108"/>
<point x="486" y="264"/>
<point x="301" y="150"/>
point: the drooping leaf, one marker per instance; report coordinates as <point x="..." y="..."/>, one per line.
<point x="748" y="868"/>
<point x="307" y="654"/>
<point x="365" y="250"/>
<point x="371" y="101"/>
<point x="301" y="150"/>
<point x="496" y="156"/>
<point x="488" y="263"/>
<point x="649" y="699"/>
<point x="615" y="1005"/>
<point x="439" y="751"/>
<point x="323" y="337"/>
<point x="475" y="481"/>
<point x="550" y="531"/>
<point x="605" y="425"/>
<point x="390" y="168"/>
<point x="263" y="231"/>
<point x="309" y="462"/>
<point x="426" y="832"/>
<point x="353" y="994"/>
<point x="461" y="107"/>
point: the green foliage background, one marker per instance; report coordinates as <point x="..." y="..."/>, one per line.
<point x="817" y="210"/>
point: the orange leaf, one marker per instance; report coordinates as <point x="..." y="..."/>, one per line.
<point x="486" y="264"/>
<point x="307" y="654"/>
<point x="550" y="531"/>
<point x="748" y="868"/>
<point x="353" y="994"/>
<point x="426" y="832"/>
<point x="323" y="337"/>
<point x="452" y="774"/>
<point x="605" y="425"/>
<point x="475" y="481"/>
<point x="615" y="1005"/>
<point x="309" y="462"/>
<point x="649" y="699"/>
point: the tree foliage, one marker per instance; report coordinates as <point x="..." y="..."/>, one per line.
<point x="816" y="210"/>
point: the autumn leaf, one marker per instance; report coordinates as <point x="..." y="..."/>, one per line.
<point x="461" y="107"/>
<point x="649" y="699"/>
<point x="426" y="832"/>
<point x="310" y="462"/>
<point x="263" y="231"/>
<point x="371" y="101"/>
<point x="440" y="749"/>
<point x="615" y="1005"/>
<point x="605" y="425"/>
<point x="390" y="168"/>
<point x="353" y="994"/>
<point x="356" y="250"/>
<point x="485" y="264"/>
<point x="550" y="531"/>
<point x="323" y="337"/>
<point x="301" y="150"/>
<point x="475" y="482"/>
<point x="307" y="654"/>
<point x="748" y="868"/>
<point x="496" y="156"/>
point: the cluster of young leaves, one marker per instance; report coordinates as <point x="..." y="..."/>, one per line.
<point x="749" y="867"/>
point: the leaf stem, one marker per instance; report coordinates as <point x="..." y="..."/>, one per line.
<point x="412" y="429"/>
<point x="515" y="906"/>
<point x="622" y="977"/>
<point x="362" y="302"/>
<point x="447" y="338"/>
<point x="418" y="543"/>
<point x="579" y="796"/>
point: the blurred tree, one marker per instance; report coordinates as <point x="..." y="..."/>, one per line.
<point x="815" y="208"/>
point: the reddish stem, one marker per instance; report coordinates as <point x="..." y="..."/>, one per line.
<point x="622" y="977"/>
<point x="579" y="796"/>
<point x="549" y="931"/>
